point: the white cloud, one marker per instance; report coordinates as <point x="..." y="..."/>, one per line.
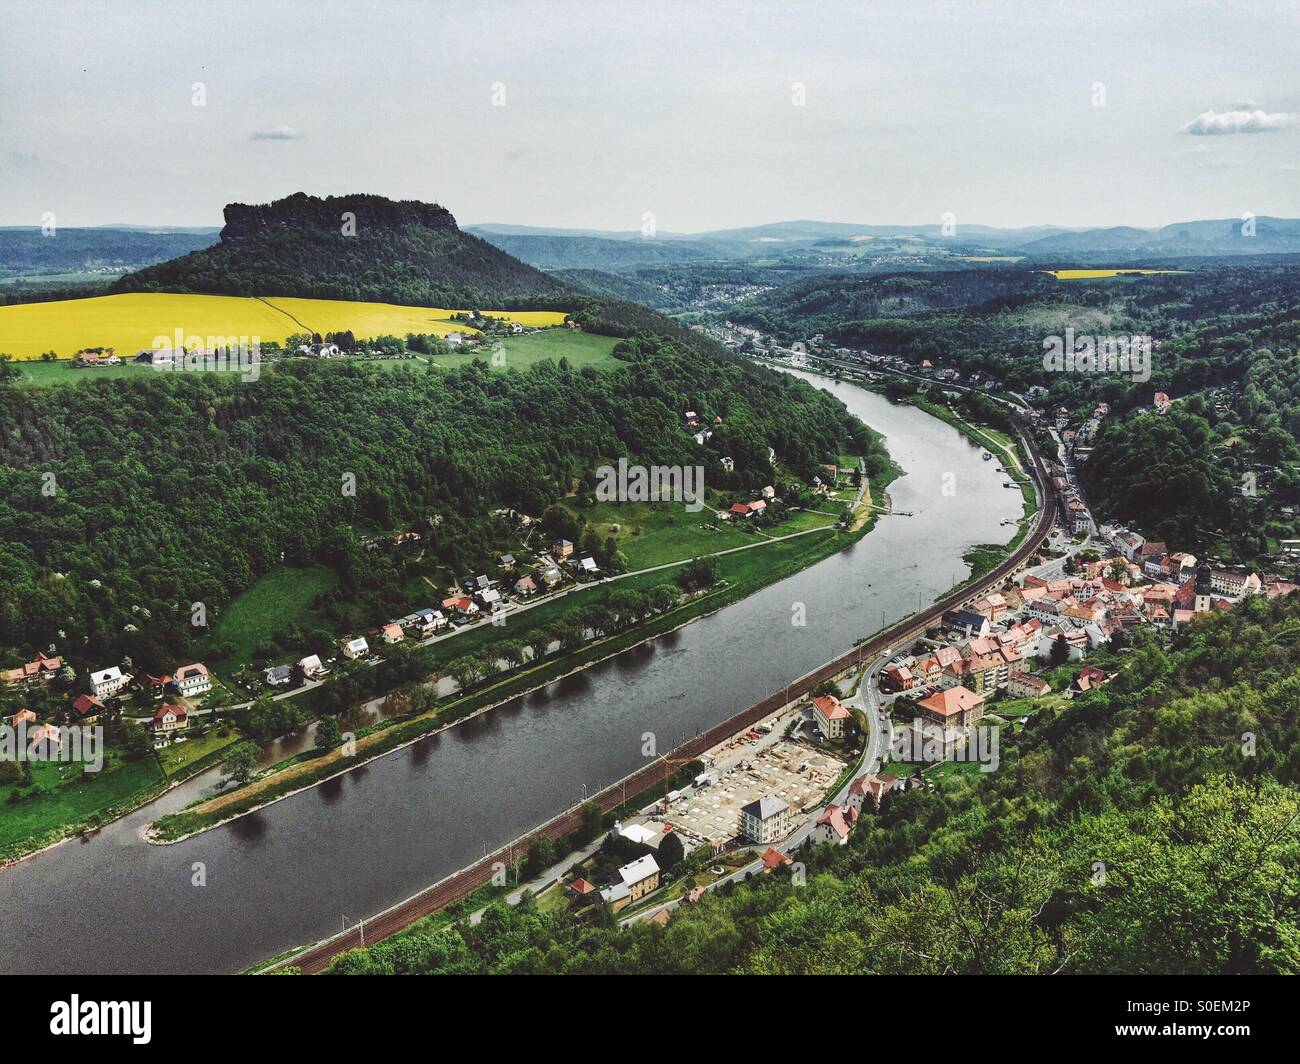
<point x="278" y="133"/>
<point x="1219" y="123"/>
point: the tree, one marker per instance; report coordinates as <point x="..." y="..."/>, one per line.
<point x="670" y="852"/>
<point x="1060" y="652"/>
<point x="241" y="764"/>
<point x="328" y="734"/>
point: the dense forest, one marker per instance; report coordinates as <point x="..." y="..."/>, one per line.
<point x="1150" y="826"/>
<point x="124" y="501"/>
<point x="355" y="248"/>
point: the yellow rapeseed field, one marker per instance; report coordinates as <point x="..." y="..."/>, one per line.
<point x="1084" y="275"/>
<point x="134" y="321"/>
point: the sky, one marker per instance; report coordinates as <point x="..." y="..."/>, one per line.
<point x="707" y="114"/>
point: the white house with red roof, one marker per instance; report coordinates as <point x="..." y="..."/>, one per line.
<point x="830" y="716"/>
<point x="834" y="825"/>
<point x="169" y="722"/>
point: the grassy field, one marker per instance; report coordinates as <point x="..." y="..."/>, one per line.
<point x="133" y="321"/>
<point x="652" y="533"/>
<point x="580" y="348"/>
<point x="279" y="599"/>
<point x="175" y="759"/>
<point x="69" y="800"/>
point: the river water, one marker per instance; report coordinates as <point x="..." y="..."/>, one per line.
<point x="294" y="872"/>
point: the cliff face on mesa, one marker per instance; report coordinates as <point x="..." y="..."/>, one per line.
<point x="311" y="213"/>
<point x="356" y="247"/>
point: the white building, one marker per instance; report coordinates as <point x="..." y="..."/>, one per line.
<point x="356" y="648"/>
<point x="108" y="682"/>
<point x="191" y="680"/>
<point x="311" y="667"/>
<point x="765" y="820"/>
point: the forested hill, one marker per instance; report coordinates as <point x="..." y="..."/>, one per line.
<point x="181" y="488"/>
<point x="1150" y="826"/>
<point x="353" y="247"/>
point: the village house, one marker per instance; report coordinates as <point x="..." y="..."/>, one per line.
<point x="1027" y="685"/>
<point x="870" y="788"/>
<point x="107" y="682"/>
<point x="834" y="824"/>
<point x="774" y="859"/>
<point x="830" y="716"/>
<point x="896" y="678"/>
<point x="23" y="716"/>
<point x="44" y="743"/>
<point x="152" y="687"/>
<point x="355" y="648"/>
<point x="765" y="819"/>
<point x="86" y="709"/>
<point x="525" y="585"/>
<point x="561" y="549"/>
<point x="461" y="606"/>
<point x="636" y="880"/>
<point x="168" y="723"/>
<point x="42" y="670"/>
<point x="392" y="633"/>
<point x="278" y="675"/>
<point x="191" y="680"/>
<point x="312" y="668"/>
<point x="955" y="706"/>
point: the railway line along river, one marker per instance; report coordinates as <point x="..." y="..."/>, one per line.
<point x="296" y="871"/>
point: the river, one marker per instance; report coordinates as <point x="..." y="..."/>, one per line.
<point x="294" y="872"/>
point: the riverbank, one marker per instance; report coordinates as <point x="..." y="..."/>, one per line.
<point x="743" y="574"/>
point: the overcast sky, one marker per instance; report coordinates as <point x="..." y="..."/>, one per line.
<point x="909" y="109"/>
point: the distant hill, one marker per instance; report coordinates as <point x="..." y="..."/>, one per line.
<point x="1217" y="237"/>
<point x="561" y="252"/>
<point x="397" y="251"/>
<point x="26" y="250"/>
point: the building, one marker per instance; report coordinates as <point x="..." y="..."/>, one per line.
<point x="44" y="743"/>
<point x="312" y="668"/>
<point x="636" y="880"/>
<point x="957" y="707"/>
<point x="392" y="633"/>
<point x="834" y="824"/>
<point x="42" y="670"/>
<point x="968" y="622"/>
<point x="870" y="788"/>
<point x="1027" y="685"/>
<point x="561" y="549"/>
<point x="107" y="682"/>
<point x="830" y="715"/>
<point x="774" y="859"/>
<point x="356" y="648"/>
<point x="1204" y="585"/>
<point x="1234" y="585"/>
<point x="86" y="709"/>
<point x="765" y="820"/>
<point x="897" y="678"/>
<point x="168" y="723"/>
<point x="279" y="675"/>
<point x="525" y="585"/>
<point x="191" y="680"/>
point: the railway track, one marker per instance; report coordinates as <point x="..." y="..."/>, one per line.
<point x="317" y="958"/>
